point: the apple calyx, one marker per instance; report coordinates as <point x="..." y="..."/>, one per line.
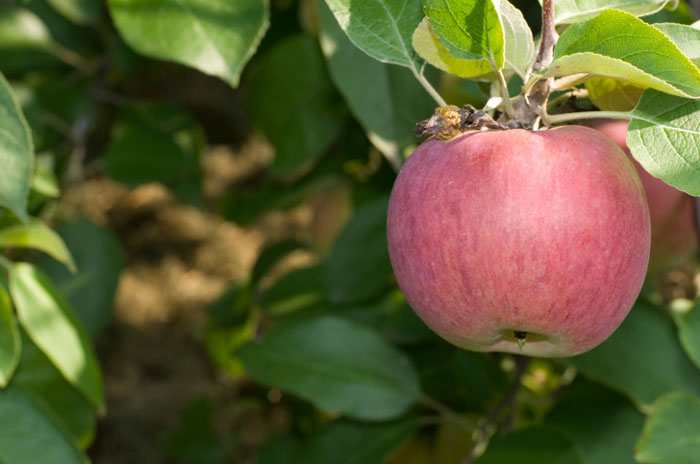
<point x="450" y="121"/>
<point x="521" y="337"/>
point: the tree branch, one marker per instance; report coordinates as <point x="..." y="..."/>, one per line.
<point x="549" y="37"/>
<point x="490" y="425"/>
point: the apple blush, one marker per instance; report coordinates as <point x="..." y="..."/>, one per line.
<point x="528" y="242"/>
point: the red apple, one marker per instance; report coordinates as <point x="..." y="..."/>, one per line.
<point x="516" y="241"/>
<point x="673" y="234"/>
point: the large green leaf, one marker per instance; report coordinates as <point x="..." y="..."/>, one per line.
<point x="79" y="11"/>
<point x="664" y="136"/>
<point x="99" y="259"/>
<point x="16" y="153"/>
<point x="359" y="266"/>
<point x="573" y="11"/>
<point x="617" y="44"/>
<point x="36" y="234"/>
<point x="337" y="365"/>
<point x="531" y="446"/>
<point x="685" y="37"/>
<point x="292" y="100"/>
<point x="381" y="28"/>
<point x="385" y="99"/>
<point x="642" y="359"/>
<point x="687" y="317"/>
<point x="602" y="425"/>
<point x="51" y="324"/>
<point x="20" y="28"/>
<point x="29" y="435"/>
<point x="345" y="442"/>
<point x="672" y="432"/>
<point x="9" y="340"/>
<point x="215" y="36"/>
<point x="37" y="375"/>
<point x="156" y="142"/>
<point x="470" y="30"/>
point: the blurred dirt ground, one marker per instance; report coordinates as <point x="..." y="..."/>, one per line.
<point x="179" y="259"/>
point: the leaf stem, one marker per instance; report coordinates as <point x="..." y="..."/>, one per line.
<point x="503" y="87"/>
<point x="566" y="117"/>
<point x="428" y="87"/>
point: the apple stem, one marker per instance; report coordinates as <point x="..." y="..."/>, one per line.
<point x="489" y="426"/>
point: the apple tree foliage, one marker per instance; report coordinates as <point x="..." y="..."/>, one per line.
<point x="336" y="87"/>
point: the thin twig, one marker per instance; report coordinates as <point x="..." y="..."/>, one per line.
<point x="549" y="37"/>
<point x="483" y="433"/>
<point x="446" y="412"/>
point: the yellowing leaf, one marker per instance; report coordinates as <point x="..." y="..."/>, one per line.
<point x="610" y="94"/>
<point x="427" y="45"/>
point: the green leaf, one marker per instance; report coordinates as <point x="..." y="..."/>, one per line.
<point x="387" y="100"/>
<point x="16" y="153"/>
<point x="616" y="44"/>
<point x="232" y="308"/>
<point x="270" y="256"/>
<point x="299" y="289"/>
<point x="195" y="440"/>
<point x="35" y="234"/>
<point x="292" y="100"/>
<point x="9" y="340"/>
<point x="346" y="442"/>
<point x="470" y="30"/>
<point x="519" y="44"/>
<point x="642" y="359"/>
<point x="602" y="425"/>
<point x="574" y="11"/>
<point x="29" y="435"/>
<point x="672" y="432"/>
<point x="156" y="142"/>
<point x="531" y="446"/>
<point x="20" y="28"/>
<point x="52" y="326"/>
<point x="337" y="365"/>
<point x="36" y="374"/>
<point x="79" y="11"/>
<point x="216" y="37"/>
<point x="391" y="41"/>
<point x="687" y="38"/>
<point x="99" y="259"/>
<point x="664" y="137"/>
<point x="359" y="266"/>
<point x="612" y="94"/>
<point x="687" y="318"/>
<point x="44" y="181"/>
<point x="428" y="46"/>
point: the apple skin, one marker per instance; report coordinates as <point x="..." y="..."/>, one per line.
<point x="673" y="234"/>
<point x="542" y="232"/>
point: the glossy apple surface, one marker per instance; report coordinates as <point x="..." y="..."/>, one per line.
<point x="504" y="237"/>
<point x="673" y="234"/>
